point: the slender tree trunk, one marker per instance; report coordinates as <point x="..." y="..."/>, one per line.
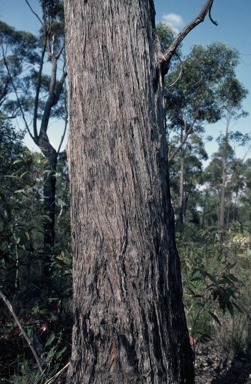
<point x="223" y="186"/>
<point x="224" y="178"/>
<point x="129" y="322"/>
<point x="49" y="210"/>
<point x="42" y="140"/>
<point x="182" y="197"/>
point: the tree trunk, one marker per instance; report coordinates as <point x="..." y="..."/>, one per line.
<point x="182" y="197"/>
<point x="223" y="186"/>
<point x="129" y="322"/>
<point x="224" y="178"/>
<point x="49" y="193"/>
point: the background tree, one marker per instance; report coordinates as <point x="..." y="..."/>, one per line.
<point x="205" y="83"/>
<point x="186" y="176"/>
<point x="194" y="99"/>
<point x="244" y="195"/>
<point x="30" y="92"/>
<point x="231" y="95"/>
<point x="18" y="55"/>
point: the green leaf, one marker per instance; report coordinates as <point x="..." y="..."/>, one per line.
<point x="59" y="354"/>
<point x="215" y="317"/>
<point x="230" y="309"/>
<point x="233" y="278"/>
<point x="16" y="237"/>
<point x="249" y="253"/>
<point x="50" y="354"/>
<point x="238" y="308"/>
<point x="50" y="340"/>
<point x="21" y="191"/>
<point x="18" y="161"/>
<point x="23" y="174"/>
<point x="211" y="277"/>
<point x="198" y="278"/>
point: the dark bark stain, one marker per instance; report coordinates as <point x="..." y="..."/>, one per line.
<point x="156" y="80"/>
<point x="129" y="349"/>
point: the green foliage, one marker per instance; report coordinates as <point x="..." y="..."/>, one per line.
<point x="195" y="95"/>
<point x="214" y="280"/>
<point x="46" y="319"/>
<point x="17" y="56"/>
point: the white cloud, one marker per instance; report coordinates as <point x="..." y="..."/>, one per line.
<point x="174" y="20"/>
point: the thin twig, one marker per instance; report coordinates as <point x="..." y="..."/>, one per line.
<point x="180" y="72"/>
<point x="57" y="374"/>
<point x="7" y="302"/>
<point x="32" y="10"/>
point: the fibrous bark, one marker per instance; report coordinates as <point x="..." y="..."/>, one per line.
<point x="129" y="322"/>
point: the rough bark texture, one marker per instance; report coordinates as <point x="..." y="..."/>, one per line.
<point x="129" y="323"/>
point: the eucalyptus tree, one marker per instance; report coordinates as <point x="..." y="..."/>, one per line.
<point x="244" y="199"/>
<point x="33" y="76"/>
<point x="186" y="175"/>
<point x="196" y="98"/>
<point x="213" y="181"/>
<point x="193" y="101"/>
<point x="226" y="181"/>
<point x="231" y="94"/>
<point x="18" y="54"/>
<point x="129" y="322"/>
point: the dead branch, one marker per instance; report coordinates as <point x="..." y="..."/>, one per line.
<point x="166" y="57"/>
<point x="179" y="75"/>
<point x="32" y="10"/>
<point x="52" y="379"/>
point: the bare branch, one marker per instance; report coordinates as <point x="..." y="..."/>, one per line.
<point x="38" y="88"/>
<point x="51" y="100"/>
<point x="210" y="16"/>
<point x="59" y="51"/>
<point x="32" y="10"/>
<point x="166" y="57"/>
<point x="180" y="72"/>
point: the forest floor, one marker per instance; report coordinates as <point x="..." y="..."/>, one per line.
<point x="213" y="365"/>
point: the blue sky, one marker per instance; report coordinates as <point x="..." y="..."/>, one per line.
<point x="234" y="29"/>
